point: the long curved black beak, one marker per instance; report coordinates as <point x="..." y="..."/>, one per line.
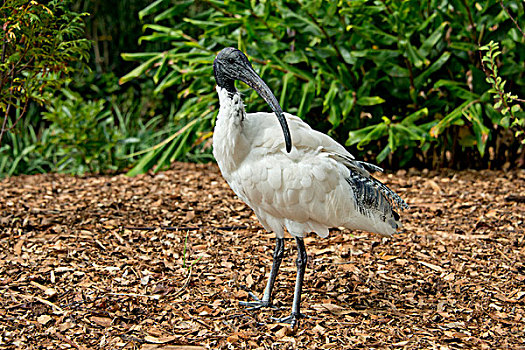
<point x="250" y="77"/>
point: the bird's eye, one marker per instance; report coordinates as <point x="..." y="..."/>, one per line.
<point x="231" y="60"/>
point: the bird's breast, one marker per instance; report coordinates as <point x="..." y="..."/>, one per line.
<point x="229" y="141"/>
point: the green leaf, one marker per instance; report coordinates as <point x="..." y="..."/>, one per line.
<point x="413" y="132"/>
<point x="330" y="95"/>
<point x="286" y="79"/>
<point x="379" y="131"/>
<point x="139" y="56"/>
<point x="453" y="118"/>
<point x="463" y="46"/>
<point x="391" y="139"/>
<point x="173" y="78"/>
<point x="414" y="56"/>
<point x="383" y="154"/>
<point x="152" y="8"/>
<point x="178" y="7"/>
<point x="306" y="99"/>
<point x="155" y="153"/>
<point x="355" y="136"/>
<point x="433" y="39"/>
<point x="303" y="74"/>
<point x="140" y="70"/>
<point x="412" y="118"/>
<point x="421" y="79"/>
<point x="363" y="136"/>
<point x="481" y="132"/>
<point x="202" y="24"/>
<point x="373" y="34"/>
<point x="370" y="100"/>
<point x="162" y="68"/>
<point x="457" y="89"/>
<point x="348" y="103"/>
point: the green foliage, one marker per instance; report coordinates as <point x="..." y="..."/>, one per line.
<point x="133" y="118"/>
<point x="82" y="132"/>
<point x="101" y="134"/>
<point x="26" y="147"/>
<point x="403" y="78"/>
<point x="504" y="101"/>
<point x="39" y="45"/>
<point x="93" y="125"/>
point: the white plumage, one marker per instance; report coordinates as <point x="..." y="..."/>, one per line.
<point x="304" y="182"/>
<point x="305" y="190"/>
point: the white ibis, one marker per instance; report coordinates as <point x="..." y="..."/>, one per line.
<point x="304" y="182"/>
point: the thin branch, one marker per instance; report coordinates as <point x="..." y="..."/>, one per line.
<point x="55" y="307"/>
<point x="193" y="40"/>
<point x="8" y="108"/>
<point x="3" y="130"/>
<point x="3" y="51"/>
<point x="512" y="18"/>
<point x="14" y="70"/>
<point x="26" y="103"/>
<point x="470" y="19"/>
<point x="411" y="74"/>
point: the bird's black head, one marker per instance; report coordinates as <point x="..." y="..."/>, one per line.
<point x="230" y="65"/>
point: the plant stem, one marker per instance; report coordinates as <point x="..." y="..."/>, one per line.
<point x="8" y="108"/>
<point x="4" y="122"/>
<point x="471" y="20"/>
<point x="511" y="17"/>
<point x="411" y="74"/>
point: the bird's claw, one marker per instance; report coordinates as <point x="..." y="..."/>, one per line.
<point x="292" y="320"/>
<point x="257" y="303"/>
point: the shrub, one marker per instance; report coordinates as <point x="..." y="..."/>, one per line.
<point x="85" y="129"/>
<point x="92" y="123"/>
<point x="40" y="45"/>
<point x="403" y="78"/>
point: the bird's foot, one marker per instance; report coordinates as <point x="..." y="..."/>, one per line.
<point x="292" y="320"/>
<point x="257" y="303"/>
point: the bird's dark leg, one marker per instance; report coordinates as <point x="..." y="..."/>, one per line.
<point x="267" y="296"/>
<point x="302" y="258"/>
<point x="277" y="259"/>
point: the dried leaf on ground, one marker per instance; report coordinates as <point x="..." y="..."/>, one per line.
<point x="102" y="262"/>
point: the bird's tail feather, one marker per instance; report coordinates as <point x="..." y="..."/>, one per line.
<point x="376" y="201"/>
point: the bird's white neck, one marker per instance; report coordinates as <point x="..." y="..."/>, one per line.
<point x="229" y="144"/>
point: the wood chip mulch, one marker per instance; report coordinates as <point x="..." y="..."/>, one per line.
<point x="161" y="262"/>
